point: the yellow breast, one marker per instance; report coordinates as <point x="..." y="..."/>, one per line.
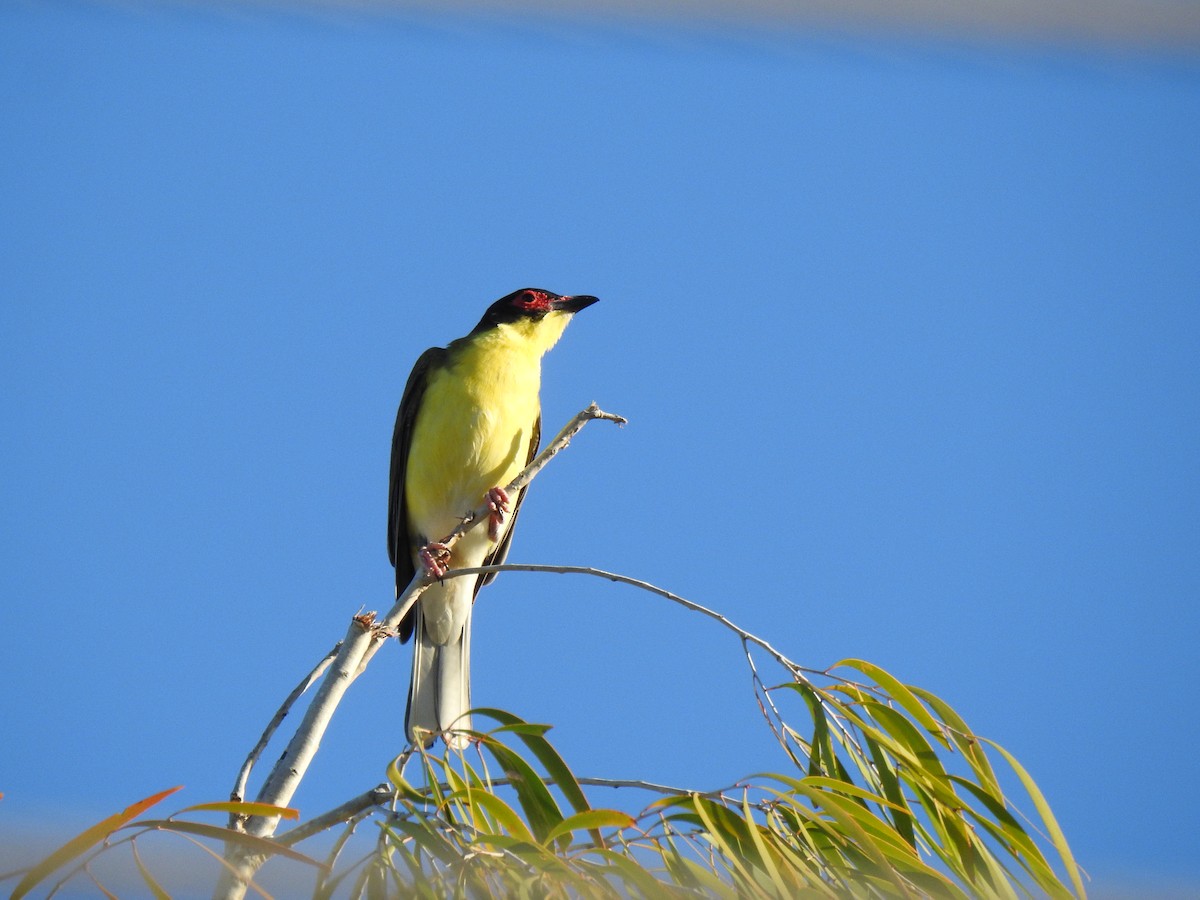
<point x="473" y="430"/>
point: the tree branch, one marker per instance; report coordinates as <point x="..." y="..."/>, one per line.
<point x="797" y="671"/>
<point x="239" y="788"/>
<point x="362" y="640"/>
<point x="664" y="789"/>
<point x="376" y="796"/>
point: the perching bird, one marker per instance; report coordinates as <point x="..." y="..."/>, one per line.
<point x="469" y="422"/>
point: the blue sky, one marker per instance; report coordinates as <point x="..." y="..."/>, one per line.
<point x="908" y="334"/>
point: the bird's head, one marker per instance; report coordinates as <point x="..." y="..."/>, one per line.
<point x="533" y="314"/>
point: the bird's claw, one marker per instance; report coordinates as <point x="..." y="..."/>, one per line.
<point x="435" y="558"/>
<point x="497" y="501"/>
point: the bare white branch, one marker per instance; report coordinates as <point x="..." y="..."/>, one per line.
<point x="239" y="788"/>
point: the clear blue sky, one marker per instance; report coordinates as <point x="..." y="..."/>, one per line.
<point x="908" y="335"/>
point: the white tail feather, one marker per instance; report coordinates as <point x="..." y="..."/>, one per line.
<point x="440" y="692"/>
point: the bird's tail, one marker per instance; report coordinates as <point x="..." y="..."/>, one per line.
<point x="440" y="692"/>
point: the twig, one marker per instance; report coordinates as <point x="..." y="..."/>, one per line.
<point x="650" y="786"/>
<point x="376" y="796"/>
<point x="763" y="698"/>
<point x="239" y="788"/>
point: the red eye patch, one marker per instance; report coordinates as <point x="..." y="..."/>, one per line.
<point x="533" y="300"/>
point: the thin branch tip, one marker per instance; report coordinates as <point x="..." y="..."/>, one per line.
<point x="595" y="412"/>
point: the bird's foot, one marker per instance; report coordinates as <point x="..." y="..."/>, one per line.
<point x="497" y="501"/>
<point x="435" y="558"/>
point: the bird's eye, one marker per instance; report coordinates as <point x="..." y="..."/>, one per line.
<point x="532" y="300"/>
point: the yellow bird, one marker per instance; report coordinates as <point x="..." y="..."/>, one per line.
<point x="469" y="422"/>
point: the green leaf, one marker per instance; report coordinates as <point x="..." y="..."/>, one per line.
<point x="902" y="817"/>
<point x="760" y="846"/>
<point x="504" y="815"/>
<point x="920" y="763"/>
<point x="424" y="834"/>
<point x="898" y="692"/>
<point x="967" y="742"/>
<point x="429" y="765"/>
<point x="244" y="808"/>
<point x="852" y="829"/>
<point x="835" y="785"/>
<point x="632" y="874"/>
<point x="903" y="730"/>
<point x="84" y="841"/>
<point x="522" y="728"/>
<point x="1056" y="835"/>
<point x="155" y="888"/>
<point x="396" y="777"/>
<point x="217" y="833"/>
<point x="894" y="847"/>
<point x="459" y="799"/>
<point x="554" y="765"/>
<point x="724" y="836"/>
<point x="590" y="819"/>
<point x="822" y="759"/>
<point x="1014" y="840"/>
<point x="537" y="802"/>
<point x="688" y="874"/>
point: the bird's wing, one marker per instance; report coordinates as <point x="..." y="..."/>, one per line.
<point x="399" y="540"/>
<point x="498" y="555"/>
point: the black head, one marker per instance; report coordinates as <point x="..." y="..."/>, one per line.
<point x="530" y="303"/>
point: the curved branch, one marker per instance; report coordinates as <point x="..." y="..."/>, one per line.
<point x="742" y="633"/>
<point x="797" y="671"/>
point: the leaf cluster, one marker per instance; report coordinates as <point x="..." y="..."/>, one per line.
<point x="887" y="793"/>
<point x="872" y="807"/>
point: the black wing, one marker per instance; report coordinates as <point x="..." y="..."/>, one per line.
<point x="501" y="552"/>
<point x="399" y="540"/>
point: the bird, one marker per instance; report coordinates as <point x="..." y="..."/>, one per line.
<point x="469" y="421"/>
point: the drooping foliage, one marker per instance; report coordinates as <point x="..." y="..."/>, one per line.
<point x="886" y="792"/>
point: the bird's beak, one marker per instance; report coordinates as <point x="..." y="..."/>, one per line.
<point x="574" y="304"/>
